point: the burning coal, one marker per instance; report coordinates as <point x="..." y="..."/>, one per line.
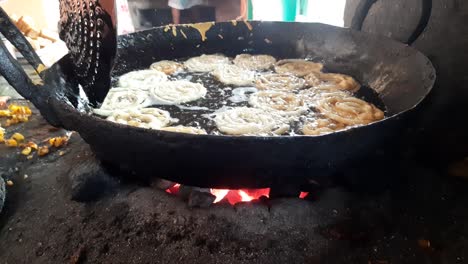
<point x="235" y="196"/>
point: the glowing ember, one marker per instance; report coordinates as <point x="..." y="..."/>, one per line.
<point x="174" y="189"/>
<point x="220" y="194"/>
<point x="245" y="197"/>
<point x="235" y="196"/>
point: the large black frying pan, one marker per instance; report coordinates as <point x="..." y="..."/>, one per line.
<point x="401" y="76"/>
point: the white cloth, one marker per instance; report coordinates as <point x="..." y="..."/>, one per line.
<point x="185" y="4"/>
<point x="125" y="24"/>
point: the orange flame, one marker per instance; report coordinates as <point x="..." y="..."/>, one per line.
<point x="235" y="196"/>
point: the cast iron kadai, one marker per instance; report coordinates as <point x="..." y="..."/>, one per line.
<point x="401" y="76"/>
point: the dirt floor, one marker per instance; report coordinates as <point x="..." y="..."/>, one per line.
<point x="424" y="220"/>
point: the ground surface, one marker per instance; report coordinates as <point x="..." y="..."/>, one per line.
<point x="138" y="224"/>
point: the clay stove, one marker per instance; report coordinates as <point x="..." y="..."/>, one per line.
<point x="57" y="215"/>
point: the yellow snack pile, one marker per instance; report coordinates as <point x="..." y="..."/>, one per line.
<point x="16" y="114"/>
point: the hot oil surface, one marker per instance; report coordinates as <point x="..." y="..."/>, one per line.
<point x="221" y="96"/>
<point x="197" y="113"/>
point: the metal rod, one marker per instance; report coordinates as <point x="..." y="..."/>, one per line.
<point x="12" y="71"/>
<point x="14" y="35"/>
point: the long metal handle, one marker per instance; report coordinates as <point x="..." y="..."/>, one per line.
<point x="12" y="71"/>
<point x="38" y="93"/>
<point x="361" y="13"/>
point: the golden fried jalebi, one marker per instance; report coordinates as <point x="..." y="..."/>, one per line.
<point x="234" y="75"/>
<point x="254" y="62"/>
<point x="123" y="98"/>
<point x="285" y="104"/>
<point x="249" y="121"/>
<point x="206" y="63"/>
<point x="341" y="81"/>
<point x="349" y="110"/>
<point x="321" y="126"/>
<point x="312" y="95"/>
<point x="153" y="118"/>
<point x="176" y="92"/>
<point x="279" y="82"/>
<point x="168" y="67"/>
<point x="297" y="67"/>
<point x="141" y="80"/>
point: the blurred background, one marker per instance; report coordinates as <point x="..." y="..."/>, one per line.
<point x="42" y="16"/>
<point x="141" y="14"/>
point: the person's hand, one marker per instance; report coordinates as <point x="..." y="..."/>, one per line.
<point x="3" y="101"/>
<point x="242" y="17"/>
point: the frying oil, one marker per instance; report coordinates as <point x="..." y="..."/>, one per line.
<point x="200" y="113"/>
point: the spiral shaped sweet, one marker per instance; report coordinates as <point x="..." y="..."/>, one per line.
<point x="321" y="126"/>
<point x="285" y="104"/>
<point x="312" y="95"/>
<point x="167" y="67"/>
<point x="206" y="63"/>
<point x="234" y="75"/>
<point x="151" y="118"/>
<point x="340" y="81"/>
<point x="297" y="67"/>
<point x="142" y="79"/>
<point x="249" y="121"/>
<point x="349" y="110"/>
<point x="254" y="62"/>
<point x="123" y="98"/>
<point x="176" y="92"/>
<point x="279" y="82"/>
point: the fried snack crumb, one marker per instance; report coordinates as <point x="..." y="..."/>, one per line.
<point x="26" y="151"/>
<point x="19" y="110"/>
<point x="11" y="143"/>
<point x="18" y="137"/>
<point x="30" y="144"/>
<point x="16" y="113"/>
<point x="58" y="141"/>
<point x="9" y="183"/>
<point x="5" y="113"/>
<point x="42" y="151"/>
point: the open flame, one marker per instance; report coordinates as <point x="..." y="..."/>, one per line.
<point x="235" y="196"/>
